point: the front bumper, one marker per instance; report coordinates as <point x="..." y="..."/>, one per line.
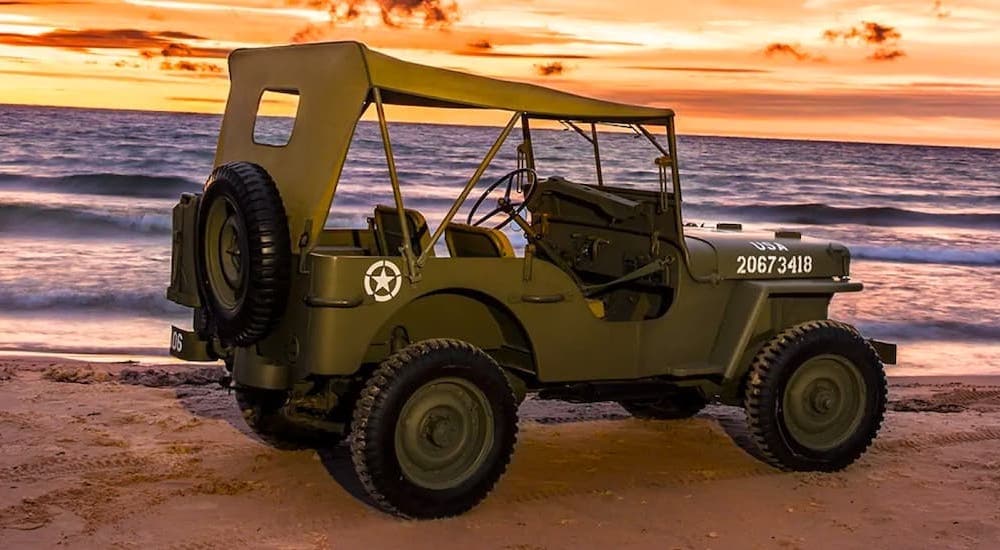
<point x="886" y="351"/>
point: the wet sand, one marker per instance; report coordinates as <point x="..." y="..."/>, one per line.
<point x="123" y="456"/>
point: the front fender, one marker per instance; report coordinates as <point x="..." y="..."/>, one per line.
<point x="753" y="312"/>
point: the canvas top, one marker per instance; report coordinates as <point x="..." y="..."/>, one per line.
<point x="405" y="83"/>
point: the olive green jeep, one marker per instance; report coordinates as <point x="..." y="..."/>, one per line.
<point x="420" y="360"/>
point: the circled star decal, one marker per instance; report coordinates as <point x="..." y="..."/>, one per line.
<point x="383" y="281"/>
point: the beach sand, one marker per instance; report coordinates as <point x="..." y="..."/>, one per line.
<point x="126" y="455"/>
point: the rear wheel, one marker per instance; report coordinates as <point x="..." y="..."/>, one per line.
<point x="434" y="429"/>
<point x="815" y="397"/>
<point x="684" y="404"/>
<point x="266" y="413"/>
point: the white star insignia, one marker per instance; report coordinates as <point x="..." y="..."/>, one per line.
<point x="382" y="281"/>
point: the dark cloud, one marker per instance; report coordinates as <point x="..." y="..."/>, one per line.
<point x="550" y="69"/>
<point x="481" y="45"/>
<point x="178" y="49"/>
<point x="699" y="69"/>
<point x="394" y="13"/>
<point x="867" y="33"/>
<point x="309" y="33"/>
<point x="790" y="50"/>
<point x="83" y="40"/>
<point x="181" y="35"/>
<point x="886" y="54"/>
<point x="883" y="37"/>
<point x="191" y="66"/>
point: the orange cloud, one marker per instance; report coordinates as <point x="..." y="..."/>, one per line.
<point x="394" y="13"/>
<point x="550" y="69"/>
<point x="191" y="66"/>
<point x="83" y="40"/>
<point x="481" y="45"/>
<point x="886" y="54"/>
<point x="869" y="33"/>
<point x="795" y="51"/>
<point x="177" y="49"/>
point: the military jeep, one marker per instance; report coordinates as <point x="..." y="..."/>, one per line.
<point x="419" y="359"/>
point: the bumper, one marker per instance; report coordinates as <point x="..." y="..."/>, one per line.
<point x="886" y="351"/>
<point x="187" y="345"/>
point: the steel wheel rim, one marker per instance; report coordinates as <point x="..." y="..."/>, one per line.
<point x="444" y="433"/>
<point x="225" y="254"/>
<point x="824" y="402"/>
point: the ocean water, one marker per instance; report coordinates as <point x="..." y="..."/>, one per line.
<point x="86" y="196"/>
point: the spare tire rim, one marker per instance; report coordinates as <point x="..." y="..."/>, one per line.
<point x="225" y="254"/>
<point x="444" y="433"/>
<point x="824" y="402"/>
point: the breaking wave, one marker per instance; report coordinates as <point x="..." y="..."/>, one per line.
<point x="931" y="330"/>
<point x="59" y="348"/>
<point x="122" y="185"/>
<point x="821" y="214"/>
<point x="108" y="300"/>
<point x="972" y="257"/>
<point x="37" y="219"/>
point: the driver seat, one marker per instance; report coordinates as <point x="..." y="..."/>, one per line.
<point x="389" y="232"/>
<point x="469" y="241"/>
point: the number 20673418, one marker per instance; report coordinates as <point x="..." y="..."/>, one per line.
<point x="766" y="264"/>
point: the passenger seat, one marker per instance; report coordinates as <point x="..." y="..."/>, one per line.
<point x="469" y="241"/>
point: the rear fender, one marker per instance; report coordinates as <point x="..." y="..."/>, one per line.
<point x="463" y="315"/>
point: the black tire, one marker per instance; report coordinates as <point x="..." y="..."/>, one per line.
<point x="264" y="413"/>
<point x="244" y="298"/>
<point x="684" y="404"/>
<point x="379" y="444"/>
<point x="842" y="397"/>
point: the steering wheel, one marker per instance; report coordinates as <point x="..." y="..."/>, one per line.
<point x="504" y="203"/>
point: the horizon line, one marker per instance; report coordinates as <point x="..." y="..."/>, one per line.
<point x="497" y="125"/>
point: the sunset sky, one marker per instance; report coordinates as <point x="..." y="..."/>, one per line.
<point x="915" y="71"/>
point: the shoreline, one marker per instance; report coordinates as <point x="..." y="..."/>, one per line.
<point x="893" y="372"/>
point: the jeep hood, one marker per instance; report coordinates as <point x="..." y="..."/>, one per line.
<point x="737" y="254"/>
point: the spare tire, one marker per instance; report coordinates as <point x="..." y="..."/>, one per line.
<point x="243" y="253"/>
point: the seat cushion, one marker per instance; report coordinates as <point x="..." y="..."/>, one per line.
<point x="468" y="241"/>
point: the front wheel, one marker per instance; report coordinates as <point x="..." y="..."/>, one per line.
<point x="434" y="429"/>
<point x="815" y="397"/>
